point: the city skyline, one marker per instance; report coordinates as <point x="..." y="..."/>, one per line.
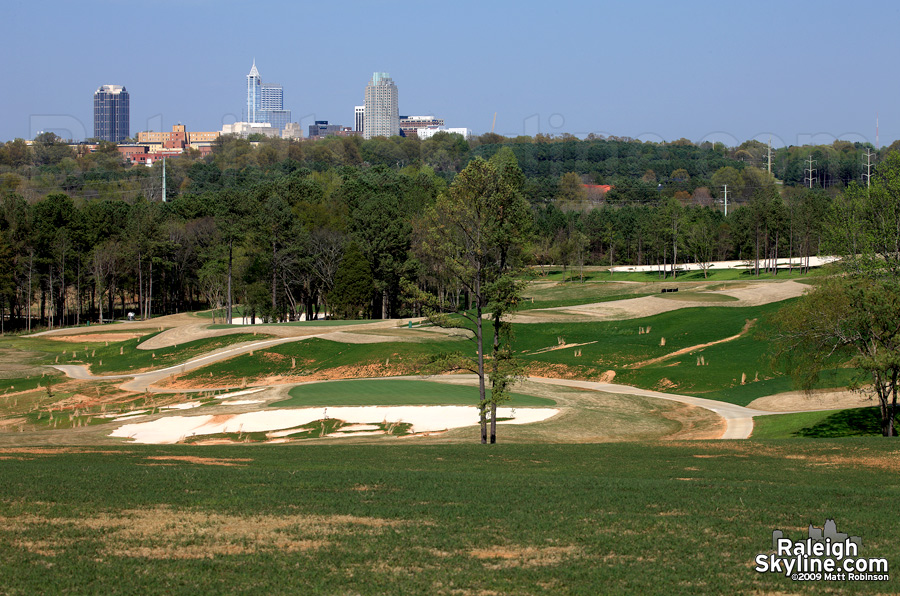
<point x="800" y="72"/>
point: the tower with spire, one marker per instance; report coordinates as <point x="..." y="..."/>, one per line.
<point x="254" y="97"/>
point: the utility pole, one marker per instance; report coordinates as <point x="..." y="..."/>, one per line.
<point x="810" y="169"/>
<point x="726" y="200"/>
<point x="164" y="180"/>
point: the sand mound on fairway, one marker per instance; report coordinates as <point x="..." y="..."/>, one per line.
<point x="819" y="399"/>
<point x="195" y="331"/>
<point x="751" y="294"/>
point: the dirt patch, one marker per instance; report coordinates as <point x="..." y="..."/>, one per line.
<point x="54" y="450"/>
<point x="818" y="399"/>
<point x="562" y="371"/>
<point x="607" y="377"/>
<point x="204" y="461"/>
<point x="524" y="556"/>
<point x="98" y="337"/>
<point x="696" y="424"/>
<point x="665" y="384"/>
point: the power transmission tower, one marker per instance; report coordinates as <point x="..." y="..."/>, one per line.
<point x="810" y="170"/>
<point x="868" y="174"/>
<point x="726" y="200"/>
<point x="770" y="155"/>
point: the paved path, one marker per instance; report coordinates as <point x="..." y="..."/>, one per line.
<point x="738" y="419"/>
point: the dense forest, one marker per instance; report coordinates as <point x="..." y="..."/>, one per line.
<point x="85" y="236"/>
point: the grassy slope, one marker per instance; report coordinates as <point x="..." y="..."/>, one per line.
<point x="133" y="358"/>
<point x="391" y="392"/>
<point x="613" y="519"/>
<point x="317" y="355"/>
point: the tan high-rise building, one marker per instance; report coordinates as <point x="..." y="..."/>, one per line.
<point x="382" y="113"/>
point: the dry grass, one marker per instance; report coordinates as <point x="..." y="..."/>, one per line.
<point x="501" y="557"/>
<point x="204" y="461"/>
<point x="165" y="533"/>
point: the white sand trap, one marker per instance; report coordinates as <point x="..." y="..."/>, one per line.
<point x="422" y="418"/>
<point x="242" y="402"/>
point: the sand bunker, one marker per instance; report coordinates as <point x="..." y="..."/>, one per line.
<point x="422" y="418"/>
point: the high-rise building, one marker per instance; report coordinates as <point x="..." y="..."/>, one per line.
<point x="265" y="102"/>
<point x="382" y="114"/>
<point x="359" y="117"/>
<point x="271" y="97"/>
<point x="254" y="94"/>
<point x="272" y="106"/>
<point x="111" y="113"/>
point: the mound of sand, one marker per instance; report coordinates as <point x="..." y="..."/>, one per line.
<point x="820" y="399"/>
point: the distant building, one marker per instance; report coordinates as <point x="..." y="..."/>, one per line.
<point x="430" y="131"/>
<point x="179" y="134"/>
<point x="292" y="130"/>
<point x="322" y="129"/>
<point x="382" y="115"/>
<point x="245" y="129"/>
<point x="254" y="94"/>
<point x="111" y="113"/>
<point x="409" y="125"/>
<point x="359" y="117"/>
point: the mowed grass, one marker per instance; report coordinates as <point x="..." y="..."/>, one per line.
<point x="783" y="426"/>
<point x="393" y="392"/>
<point x="621" y="518"/>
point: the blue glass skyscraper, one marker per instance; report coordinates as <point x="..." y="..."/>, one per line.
<point x="111" y="113"/>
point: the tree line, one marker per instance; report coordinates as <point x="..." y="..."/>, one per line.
<point x="255" y="224"/>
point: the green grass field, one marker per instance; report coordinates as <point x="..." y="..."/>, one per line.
<point x="391" y="392"/>
<point x="642" y="518"/>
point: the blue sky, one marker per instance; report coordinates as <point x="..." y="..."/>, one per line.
<point x="799" y="71"/>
